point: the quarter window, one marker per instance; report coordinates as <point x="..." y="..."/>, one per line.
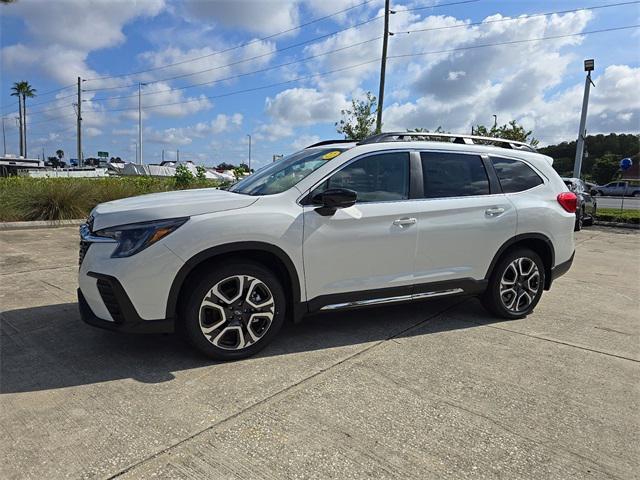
<point x="514" y="175"/>
<point x="376" y="178"/>
<point x="453" y="175"/>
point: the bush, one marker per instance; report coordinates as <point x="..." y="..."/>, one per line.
<point x="24" y="198"/>
<point x="615" y="215"/>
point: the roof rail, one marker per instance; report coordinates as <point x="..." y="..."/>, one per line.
<point x="328" y="142"/>
<point x="447" y="137"/>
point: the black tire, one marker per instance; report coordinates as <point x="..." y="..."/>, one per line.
<point x="636" y="194"/>
<point x="191" y="313"/>
<point x="492" y="298"/>
<point x="579" y="220"/>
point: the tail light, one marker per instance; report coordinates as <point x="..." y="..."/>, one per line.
<point x="568" y="201"/>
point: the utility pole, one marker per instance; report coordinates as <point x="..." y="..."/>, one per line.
<point x="589" y="65"/>
<point x="163" y="155"/>
<point x="20" y="119"/>
<point x="177" y="155"/>
<point x="139" y="123"/>
<point x="4" y="138"/>
<point x="249" y="151"/>
<point x="79" y="127"/>
<point x="383" y="66"/>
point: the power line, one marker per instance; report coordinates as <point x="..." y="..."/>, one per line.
<point x="522" y="17"/>
<point x="245" y="44"/>
<point x="435" y="6"/>
<point x="232" y="77"/>
<point x="257" y="41"/>
<point x="306" y="77"/>
<point x="6" y="115"/>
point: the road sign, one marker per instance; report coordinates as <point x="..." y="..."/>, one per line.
<point x="103" y="154"/>
<point x="626" y="163"/>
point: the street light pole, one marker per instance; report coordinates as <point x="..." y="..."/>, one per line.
<point x="139" y="124"/>
<point x="589" y="65"/>
<point x="4" y="138"/>
<point x="249" y="152"/>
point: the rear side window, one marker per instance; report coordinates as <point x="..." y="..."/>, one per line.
<point x="453" y="175"/>
<point x="514" y="175"/>
<point x="377" y="178"/>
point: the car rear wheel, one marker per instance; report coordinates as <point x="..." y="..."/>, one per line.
<point x="579" y="220"/>
<point x="515" y="285"/>
<point x="234" y="311"/>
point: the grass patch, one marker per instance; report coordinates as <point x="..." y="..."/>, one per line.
<point x="25" y="198"/>
<point x="615" y="215"/>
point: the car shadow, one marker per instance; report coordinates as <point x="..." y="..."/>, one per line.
<point x="49" y="347"/>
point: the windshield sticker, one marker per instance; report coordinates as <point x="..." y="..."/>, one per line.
<point x="330" y="155"/>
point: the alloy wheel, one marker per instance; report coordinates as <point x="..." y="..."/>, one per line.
<point x="236" y="312"/>
<point x="519" y="284"/>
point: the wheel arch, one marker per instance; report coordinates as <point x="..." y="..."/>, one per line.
<point x="539" y="243"/>
<point x="267" y="254"/>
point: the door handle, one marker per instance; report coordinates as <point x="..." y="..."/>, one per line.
<point x="494" y="212"/>
<point x="401" y="222"/>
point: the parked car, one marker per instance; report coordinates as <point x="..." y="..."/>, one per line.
<point x="626" y="188"/>
<point x="336" y="225"/>
<point x="587" y="206"/>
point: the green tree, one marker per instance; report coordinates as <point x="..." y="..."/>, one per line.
<point x="23" y="90"/>
<point x="183" y="177"/>
<point x="358" y="122"/>
<point x="509" y="131"/>
<point x="59" y="154"/>
<point x="605" y="168"/>
<point x="200" y="173"/>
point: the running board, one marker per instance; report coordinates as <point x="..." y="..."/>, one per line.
<point x="401" y="298"/>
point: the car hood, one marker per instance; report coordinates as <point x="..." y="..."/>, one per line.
<point x="157" y="206"/>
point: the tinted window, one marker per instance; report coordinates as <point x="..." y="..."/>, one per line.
<point x="515" y="176"/>
<point x="376" y="178"/>
<point x="453" y="175"/>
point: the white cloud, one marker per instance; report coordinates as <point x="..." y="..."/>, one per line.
<point x="64" y="33"/>
<point x="173" y="102"/>
<point x="304" y="141"/>
<point x="305" y="106"/>
<point x="258" y="16"/>
<point x="271" y="132"/>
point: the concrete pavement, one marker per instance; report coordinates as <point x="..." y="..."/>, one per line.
<point x="431" y="390"/>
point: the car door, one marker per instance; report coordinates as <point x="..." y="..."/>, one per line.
<point x="365" y="251"/>
<point x="464" y="220"/>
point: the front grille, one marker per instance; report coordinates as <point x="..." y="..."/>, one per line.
<point x="84" y="246"/>
<point x="109" y="299"/>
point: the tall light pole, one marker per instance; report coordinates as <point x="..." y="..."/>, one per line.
<point x="140" y="121"/>
<point x="79" y="124"/>
<point x="249" y="152"/>
<point x="589" y="65"/>
<point x="4" y="138"/>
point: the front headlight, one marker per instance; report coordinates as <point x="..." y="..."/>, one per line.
<point x="136" y="237"/>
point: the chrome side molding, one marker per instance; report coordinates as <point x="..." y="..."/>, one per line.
<point x="401" y="298"/>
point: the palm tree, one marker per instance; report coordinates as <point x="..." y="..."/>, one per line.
<point x="23" y="90"/>
<point x="60" y="154"/>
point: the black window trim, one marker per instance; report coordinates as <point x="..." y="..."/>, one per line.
<point x="494" y="183"/>
<point x="543" y="178"/>
<point x="305" y="199"/>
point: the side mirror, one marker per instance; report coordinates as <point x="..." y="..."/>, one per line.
<point x="333" y="198"/>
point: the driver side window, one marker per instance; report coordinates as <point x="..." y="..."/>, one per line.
<point x="382" y="177"/>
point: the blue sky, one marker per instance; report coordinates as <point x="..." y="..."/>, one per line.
<point x="222" y="43"/>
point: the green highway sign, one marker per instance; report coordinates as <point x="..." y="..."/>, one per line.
<point x="103" y="154"/>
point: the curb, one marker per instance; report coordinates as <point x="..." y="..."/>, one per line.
<point x="632" y="226"/>
<point x="39" y="224"/>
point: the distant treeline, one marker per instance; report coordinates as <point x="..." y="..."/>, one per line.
<point x="602" y="159"/>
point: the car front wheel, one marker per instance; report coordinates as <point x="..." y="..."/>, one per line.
<point x="234" y="311"/>
<point x="515" y="285"/>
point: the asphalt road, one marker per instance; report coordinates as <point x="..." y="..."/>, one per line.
<point x="630" y="203"/>
<point x="432" y="390"/>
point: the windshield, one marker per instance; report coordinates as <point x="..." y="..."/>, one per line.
<point x="285" y="173"/>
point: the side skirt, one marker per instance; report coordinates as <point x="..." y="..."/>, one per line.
<point x="392" y="295"/>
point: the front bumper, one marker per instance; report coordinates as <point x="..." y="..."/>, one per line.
<point x="124" y="315"/>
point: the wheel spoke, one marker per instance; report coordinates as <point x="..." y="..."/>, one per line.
<point x="237" y="312"/>
<point x="521" y="267"/>
<point x="519" y="285"/>
<point x="534" y="276"/>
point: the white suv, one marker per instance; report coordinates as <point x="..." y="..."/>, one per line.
<point x="337" y="225"/>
